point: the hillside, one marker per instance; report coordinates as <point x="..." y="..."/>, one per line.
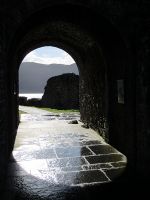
<point x="33" y="76"/>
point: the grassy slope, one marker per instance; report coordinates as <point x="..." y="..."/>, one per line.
<point x="59" y="111"/>
<point x="21" y="112"/>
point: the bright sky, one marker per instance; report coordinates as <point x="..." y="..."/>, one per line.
<point x="49" y="55"/>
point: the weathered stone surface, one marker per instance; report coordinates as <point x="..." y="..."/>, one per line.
<point x="62" y="92"/>
<point x="61" y="168"/>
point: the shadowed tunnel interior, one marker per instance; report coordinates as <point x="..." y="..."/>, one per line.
<point x="109" y="41"/>
<point x="101" y="57"/>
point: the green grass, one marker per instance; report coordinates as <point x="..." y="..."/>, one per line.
<point x="21" y="112"/>
<point x="59" y="111"/>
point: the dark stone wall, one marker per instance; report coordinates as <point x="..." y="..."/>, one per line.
<point x="142" y="41"/>
<point x="4" y="143"/>
<point x="93" y="92"/>
<point x="62" y="92"/>
<point x="22" y="101"/>
<point x="109" y="40"/>
<point x="34" y="102"/>
<point x="29" y="102"/>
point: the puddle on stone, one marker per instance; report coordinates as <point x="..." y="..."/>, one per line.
<point x="56" y="160"/>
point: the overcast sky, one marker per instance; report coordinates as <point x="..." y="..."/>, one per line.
<point x="49" y="55"/>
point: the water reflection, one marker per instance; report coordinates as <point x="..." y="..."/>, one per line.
<point x="56" y="160"/>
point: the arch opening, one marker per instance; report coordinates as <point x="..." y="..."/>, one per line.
<point x="49" y="77"/>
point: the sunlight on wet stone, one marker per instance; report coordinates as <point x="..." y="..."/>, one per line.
<point x="59" y="155"/>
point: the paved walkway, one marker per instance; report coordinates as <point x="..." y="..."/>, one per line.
<point x="53" y="159"/>
<point x="35" y="114"/>
<point x="33" y="110"/>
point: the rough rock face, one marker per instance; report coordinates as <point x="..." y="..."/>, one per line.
<point x="62" y="92"/>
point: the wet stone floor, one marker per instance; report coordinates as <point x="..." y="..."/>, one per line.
<point x="54" y="159"/>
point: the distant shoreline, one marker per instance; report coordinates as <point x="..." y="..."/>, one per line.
<point x="31" y="95"/>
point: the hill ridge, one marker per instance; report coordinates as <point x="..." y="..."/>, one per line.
<point x="33" y="76"/>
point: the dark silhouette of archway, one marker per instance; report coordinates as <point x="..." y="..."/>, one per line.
<point x="102" y="58"/>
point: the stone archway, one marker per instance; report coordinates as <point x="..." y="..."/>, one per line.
<point x="101" y="56"/>
<point x="121" y="31"/>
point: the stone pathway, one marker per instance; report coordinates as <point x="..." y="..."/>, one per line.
<point x="35" y="114"/>
<point x="53" y="159"/>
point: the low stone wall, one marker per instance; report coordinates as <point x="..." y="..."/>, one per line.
<point x="23" y="101"/>
<point x="29" y="102"/>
